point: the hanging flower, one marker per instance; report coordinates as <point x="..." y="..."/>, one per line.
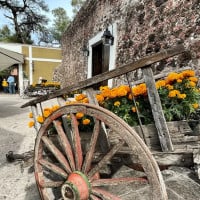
<point x="86" y="121"/>
<point x="79" y="115"/>
<point x="40" y="119"/>
<point x="30" y="115"/>
<point x="31" y="124"/>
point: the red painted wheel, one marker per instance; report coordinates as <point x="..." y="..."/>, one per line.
<point x="65" y="169"/>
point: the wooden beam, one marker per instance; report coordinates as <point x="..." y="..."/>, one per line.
<point x="148" y="60"/>
<point x="156" y="107"/>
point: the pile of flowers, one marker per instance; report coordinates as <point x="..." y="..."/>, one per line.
<point x="41" y="117"/>
<point x="179" y="95"/>
<point x="47" y="84"/>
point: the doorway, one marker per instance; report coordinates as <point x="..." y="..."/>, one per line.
<point x="100" y="61"/>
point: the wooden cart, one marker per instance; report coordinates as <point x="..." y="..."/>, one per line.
<point x="73" y="165"/>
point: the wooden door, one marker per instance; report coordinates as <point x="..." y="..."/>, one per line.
<point x="100" y="61"/>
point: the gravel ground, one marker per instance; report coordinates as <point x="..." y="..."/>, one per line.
<point x="16" y="180"/>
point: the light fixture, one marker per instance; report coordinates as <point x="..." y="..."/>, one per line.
<point x="85" y="51"/>
<point x="107" y="38"/>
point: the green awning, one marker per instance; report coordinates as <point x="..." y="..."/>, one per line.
<point x="9" y="58"/>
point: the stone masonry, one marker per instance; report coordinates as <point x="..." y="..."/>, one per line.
<point x="143" y="27"/>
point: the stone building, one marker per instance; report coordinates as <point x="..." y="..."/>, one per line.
<point x="139" y="27"/>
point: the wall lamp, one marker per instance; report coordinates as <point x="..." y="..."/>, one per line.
<point x="107" y="38"/>
<point x="85" y="51"/>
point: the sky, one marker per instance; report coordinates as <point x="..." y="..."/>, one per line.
<point x="66" y="4"/>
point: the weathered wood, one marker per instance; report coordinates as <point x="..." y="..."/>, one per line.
<point x="167" y="159"/>
<point x="148" y="60"/>
<point x="35" y="112"/>
<point x="158" y="115"/>
<point x="103" y="135"/>
<point x="196" y="157"/>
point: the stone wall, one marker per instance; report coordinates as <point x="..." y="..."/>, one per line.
<point x="143" y="27"/>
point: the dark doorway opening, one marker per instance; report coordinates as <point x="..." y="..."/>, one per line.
<point x="100" y="61"/>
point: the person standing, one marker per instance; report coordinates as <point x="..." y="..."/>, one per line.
<point x="11" y="84"/>
<point x="5" y="85"/>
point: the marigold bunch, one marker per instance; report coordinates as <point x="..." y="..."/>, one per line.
<point x="179" y="95"/>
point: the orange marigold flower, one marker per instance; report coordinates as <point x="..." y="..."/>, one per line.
<point x="117" y="103"/>
<point x="192" y="84"/>
<point x="79" y="115"/>
<point x="31" y="124"/>
<point x="70" y="102"/>
<point x="195" y="105"/>
<point x="80" y="97"/>
<point x="160" y="83"/>
<point x="113" y="93"/>
<point x="104" y="88"/>
<point x="181" y="96"/>
<point x="130" y="96"/>
<point x="173" y="76"/>
<point x="30" y="115"/>
<point x="100" y="98"/>
<point x="46" y="113"/>
<point x="133" y="109"/>
<point x="179" y="80"/>
<point x="140" y="89"/>
<point x="86" y="121"/>
<point x="40" y="119"/>
<point x="169" y="87"/>
<point x="121" y="92"/>
<point x="193" y="79"/>
<point x="55" y="107"/>
<point x="85" y="100"/>
<point x="173" y="93"/>
<point x="106" y="93"/>
<point x="188" y="73"/>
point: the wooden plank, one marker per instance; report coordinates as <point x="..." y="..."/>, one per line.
<point x="196" y="158"/>
<point x="158" y="115"/>
<point x="103" y="135"/>
<point x="167" y="159"/>
<point x="148" y="60"/>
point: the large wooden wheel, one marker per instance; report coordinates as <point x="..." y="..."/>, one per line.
<point x="64" y="169"/>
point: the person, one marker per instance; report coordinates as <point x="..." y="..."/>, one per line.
<point x="11" y="84"/>
<point x="40" y="80"/>
<point x="5" y="85"/>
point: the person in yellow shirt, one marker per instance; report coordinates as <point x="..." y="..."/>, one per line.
<point x="5" y="85"/>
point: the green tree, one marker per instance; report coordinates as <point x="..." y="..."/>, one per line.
<point x="26" y="17"/>
<point x="60" y="23"/>
<point x="77" y="4"/>
<point x="4" y="33"/>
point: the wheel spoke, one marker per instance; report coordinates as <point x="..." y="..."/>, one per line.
<point x="105" y="195"/>
<point x="77" y="143"/>
<point x="51" y="184"/>
<point x="117" y="181"/>
<point x="92" y="197"/>
<point x="106" y="158"/>
<point x="53" y="168"/>
<point x="56" y="152"/>
<point x="88" y="159"/>
<point x="65" y="144"/>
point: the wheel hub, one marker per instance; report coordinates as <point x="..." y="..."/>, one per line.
<point x="77" y="187"/>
